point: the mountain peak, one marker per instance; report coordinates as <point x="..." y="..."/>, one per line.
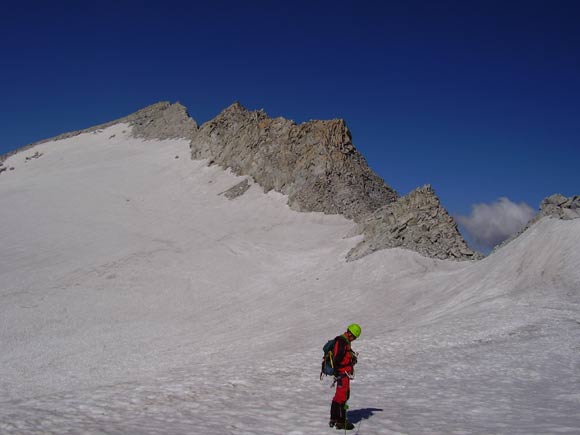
<point x="314" y="163"/>
<point x="235" y="107"/>
<point x="319" y="168"/>
<point x="162" y="120"/>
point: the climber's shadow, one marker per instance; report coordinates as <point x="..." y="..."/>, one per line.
<point x="356" y="415"/>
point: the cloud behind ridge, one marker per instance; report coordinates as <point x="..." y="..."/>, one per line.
<point x="490" y="224"/>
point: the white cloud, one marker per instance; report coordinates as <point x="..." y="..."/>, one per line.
<point x="491" y="224"/>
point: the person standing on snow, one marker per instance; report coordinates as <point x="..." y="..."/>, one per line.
<point x="344" y="360"/>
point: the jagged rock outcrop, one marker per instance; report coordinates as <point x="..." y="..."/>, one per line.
<point x="560" y="207"/>
<point x="162" y="121"/>
<point x="556" y="206"/>
<point x="314" y="163"/>
<point x="416" y="221"/>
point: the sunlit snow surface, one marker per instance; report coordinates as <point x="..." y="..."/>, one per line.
<point x="134" y="299"/>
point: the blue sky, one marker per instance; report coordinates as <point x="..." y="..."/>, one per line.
<point x="481" y="99"/>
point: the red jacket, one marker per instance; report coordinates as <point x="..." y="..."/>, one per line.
<point x="343" y="355"/>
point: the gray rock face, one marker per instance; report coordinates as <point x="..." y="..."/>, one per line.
<point x="561" y="207"/>
<point x="416" y="221"/>
<point x="314" y="163"/>
<point x="162" y="121"/>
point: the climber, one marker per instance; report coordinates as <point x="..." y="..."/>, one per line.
<point x="344" y="359"/>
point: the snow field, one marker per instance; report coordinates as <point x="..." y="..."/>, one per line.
<point x="137" y="300"/>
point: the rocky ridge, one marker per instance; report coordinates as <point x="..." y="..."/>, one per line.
<point x="318" y="167"/>
<point x="315" y="164"/>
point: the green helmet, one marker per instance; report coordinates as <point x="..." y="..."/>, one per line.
<point x="354" y="329"/>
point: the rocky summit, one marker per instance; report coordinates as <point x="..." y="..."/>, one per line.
<point x="319" y="169"/>
<point x="314" y="163"/>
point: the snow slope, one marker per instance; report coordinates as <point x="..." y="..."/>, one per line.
<point x="135" y="299"/>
